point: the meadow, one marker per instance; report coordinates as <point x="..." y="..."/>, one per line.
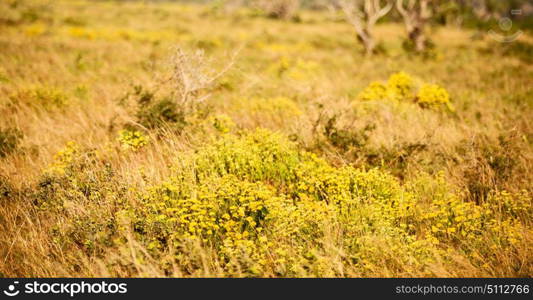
<point x="144" y="139"/>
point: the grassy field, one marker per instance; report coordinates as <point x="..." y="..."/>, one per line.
<point x="185" y="140"/>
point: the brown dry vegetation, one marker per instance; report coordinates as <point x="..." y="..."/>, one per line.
<point x="103" y="77"/>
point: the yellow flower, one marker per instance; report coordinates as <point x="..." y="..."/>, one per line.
<point x="400" y="86"/>
<point x="375" y="91"/>
<point x="133" y="140"/>
<point x="433" y="96"/>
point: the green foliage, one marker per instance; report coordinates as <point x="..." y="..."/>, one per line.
<point x="346" y="139"/>
<point x="178" y="191"/>
<point x="80" y="178"/>
<point x="258" y="156"/>
<point x="219" y="196"/>
<point x="154" y="113"/>
<point x="161" y="113"/>
<point x="264" y="207"/>
<point x="132" y="139"/>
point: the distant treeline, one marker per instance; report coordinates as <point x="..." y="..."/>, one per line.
<point x="483" y="8"/>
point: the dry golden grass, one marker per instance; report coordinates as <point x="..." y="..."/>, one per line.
<point x="70" y="72"/>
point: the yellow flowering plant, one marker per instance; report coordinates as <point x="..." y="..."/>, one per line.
<point x="132" y="139"/>
<point x="433" y="96"/>
<point x="402" y="87"/>
<point x="265" y="207"/>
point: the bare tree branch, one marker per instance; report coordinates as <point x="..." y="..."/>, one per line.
<point x="363" y="15"/>
<point x="415" y="14"/>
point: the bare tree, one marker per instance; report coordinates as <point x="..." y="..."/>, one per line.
<point x="280" y="9"/>
<point x="480" y="9"/>
<point x="230" y="6"/>
<point x="363" y="15"/>
<point x="194" y="74"/>
<point x="415" y="14"/>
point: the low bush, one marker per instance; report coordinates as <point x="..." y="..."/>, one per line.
<point x="265" y="208"/>
<point x="403" y="87"/>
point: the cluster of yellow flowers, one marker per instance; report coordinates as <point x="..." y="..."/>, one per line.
<point x="451" y="219"/>
<point x="254" y="157"/>
<point x="249" y="195"/>
<point x="266" y="207"/>
<point x="433" y="96"/>
<point x="512" y="204"/>
<point x="230" y="214"/>
<point x="456" y="220"/>
<point x="63" y="158"/>
<point x="401" y="87"/>
<point x="374" y="91"/>
<point x="263" y="204"/>
<point x="79" y="178"/>
<point x="132" y="139"/>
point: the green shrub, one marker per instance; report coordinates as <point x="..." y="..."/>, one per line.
<point x="402" y="87"/>
<point x="154" y="113"/>
<point x="81" y="187"/>
<point x="265" y="208"/>
<point x="161" y="113"/>
<point x="246" y="196"/>
<point x="133" y="140"/>
<point x="346" y="139"/>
